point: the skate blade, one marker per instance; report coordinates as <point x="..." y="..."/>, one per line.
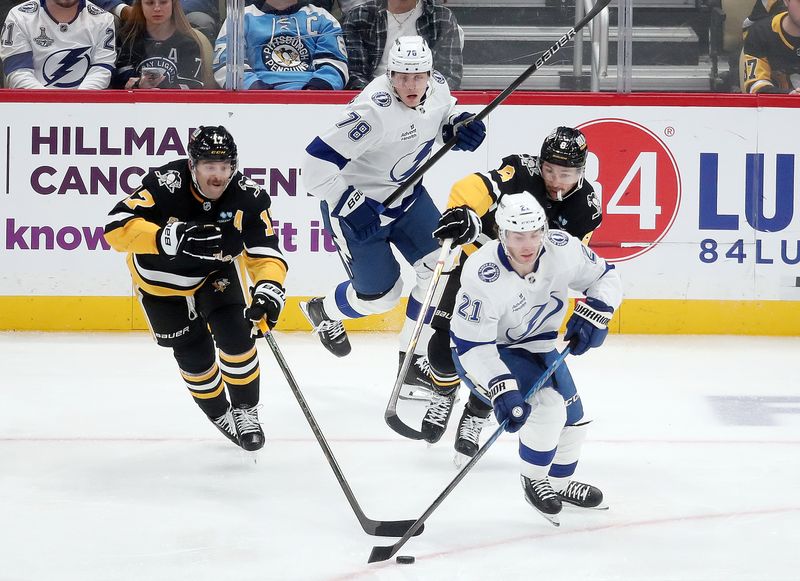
<point x="567" y="504"/>
<point x="551" y="518"/>
<point x="460" y="460"/>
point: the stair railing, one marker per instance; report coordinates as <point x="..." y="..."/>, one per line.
<point x="598" y="32"/>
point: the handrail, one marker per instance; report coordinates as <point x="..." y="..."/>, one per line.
<point x="598" y="31"/>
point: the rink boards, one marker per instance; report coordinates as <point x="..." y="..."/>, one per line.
<point x="698" y="194"/>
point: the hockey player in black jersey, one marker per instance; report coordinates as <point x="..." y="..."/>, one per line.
<point x="555" y="178"/>
<point x="193" y="231"/>
<point x="771" y="56"/>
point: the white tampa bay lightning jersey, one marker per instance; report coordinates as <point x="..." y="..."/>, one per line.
<point x="39" y="52"/>
<point x="377" y="143"/>
<point x="497" y="307"/>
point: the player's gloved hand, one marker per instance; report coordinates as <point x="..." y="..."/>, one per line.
<point x="268" y="300"/>
<point x="315" y="84"/>
<point x="469" y="134"/>
<point x="461" y="224"/>
<point x="203" y="241"/>
<point x="508" y="404"/>
<point x="588" y="325"/>
<point x="358" y="214"/>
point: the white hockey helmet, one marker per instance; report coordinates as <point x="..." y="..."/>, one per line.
<point x="519" y="213"/>
<point x="410" y="54"/>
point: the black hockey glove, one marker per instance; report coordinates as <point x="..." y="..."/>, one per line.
<point x="588" y="325"/>
<point x="469" y="134"/>
<point x="203" y="241"/>
<point x="461" y="224"/>
<point x="267" y="303"/>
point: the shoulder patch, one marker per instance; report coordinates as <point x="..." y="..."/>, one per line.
<point x="382" y="99"/>
<point x="94" y="10"/>
<point x="558" y="238"/>
<point x="29" y="7"/>
<point x="489" y="272"/>
<point x="245" y="183"/>
<point x="170" y="179"/>
<point x="438" y="77"/>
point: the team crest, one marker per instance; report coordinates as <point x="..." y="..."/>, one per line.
<point x="558" y="238"/>
<point x="489" y="272"/>
<point x="65" y="69"/>
<point x="245" y="183"/>
<point x="170" y="180"/>
<point x="94" y="10"/>
<point x="29" y="7"/>
<point x="285" y="53"/>
<point x="530" y="163"/>
<point x="439" y="78"/>
<point x="43" y="40"/>
<point x="382" y="99"/>
<point x="165" y="66"/>
<point x="220" y="285"/>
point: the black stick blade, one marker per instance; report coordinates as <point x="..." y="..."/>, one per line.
<point x="393" y="528"/>
<point x="382" y="553"/>
<point x="394" y="422"/>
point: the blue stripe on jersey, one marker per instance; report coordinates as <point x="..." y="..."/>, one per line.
<point x="341" y="301"/>
<point x="562" y="470"/>
<point x="413" y="308"/>
<point x="462" y="346"/>
<point x="536" y="457"/>
<point x="23" y="60"/>
<point x="395" y="213"/>
<point x="549" y="336"/>
<point x="325" y="152"/>
<point x="111" y="68"/>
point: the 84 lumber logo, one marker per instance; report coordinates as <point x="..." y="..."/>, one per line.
<point x="637" y="180"/>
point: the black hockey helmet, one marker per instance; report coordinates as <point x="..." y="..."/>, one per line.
<point x="214" y="144"/>
<point x="566" y="147"/>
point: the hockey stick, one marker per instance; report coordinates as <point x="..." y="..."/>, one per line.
<point x="379" y="528"/>
<point x="381" y="553"/>
<point x="560" y="43"/>
<point x="390" y="415"/>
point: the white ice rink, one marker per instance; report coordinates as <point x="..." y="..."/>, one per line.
<point x="109" y="472"/>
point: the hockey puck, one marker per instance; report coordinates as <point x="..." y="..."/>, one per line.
<point x="406" y="559"/>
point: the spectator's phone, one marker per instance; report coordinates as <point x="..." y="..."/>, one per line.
<point x="152" y="72"/>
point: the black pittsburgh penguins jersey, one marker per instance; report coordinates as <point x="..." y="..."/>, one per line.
<point x="178" y="57"/>
<point x="579" y="214"/>
<point x="168" y="194"/>
<point x="771" y="58"/>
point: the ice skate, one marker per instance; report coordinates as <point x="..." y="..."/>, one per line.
<point x="468" y="436"/>
<point x="331" y="333"/>
<point x="225" y="424"/>
<point x="251" y="436"/>
<point x="540" y="495"/>
<point x="417" y="384"/>
<point x="438" y="413"/>
<point x="582" y="495"/>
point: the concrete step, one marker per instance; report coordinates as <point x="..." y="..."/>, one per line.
<point x="560" y="78"/>
<point x="515" y="44"/>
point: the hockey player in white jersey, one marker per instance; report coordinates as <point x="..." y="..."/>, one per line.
<point x="58" y="44"/>
<point x="383" y="136"/>
<point x="513" y="298"/>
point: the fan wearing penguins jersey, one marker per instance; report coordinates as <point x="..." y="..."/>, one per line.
<point x="383" y="136"/>
<point x="58" y="44"/>
<point x="193" y="231"/>
<point x="513" y="298"/>
<point x="555" y="179"/>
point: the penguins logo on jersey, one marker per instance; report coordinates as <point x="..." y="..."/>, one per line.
<point x="43" y="40"/>
<point x="170" y="180"/>
<point x="285" y="53"/>
<point x="168" y="68"/>
<point x="247" y="184"/>
<point x="66" y="68"/>
<point x="220" y="285"/>
<point x="489" y="272"/>
<point x="382" y="99"/>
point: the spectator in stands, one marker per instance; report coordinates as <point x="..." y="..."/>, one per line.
<point x="762" y="9"/>
<point x="64" y="44"/>
<point x="288" y="45"/>
<point x="771" y="56"/>
<point x="159" y="49"/>
<point x="374" y="25"/>
<point x="202" y="15"/>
